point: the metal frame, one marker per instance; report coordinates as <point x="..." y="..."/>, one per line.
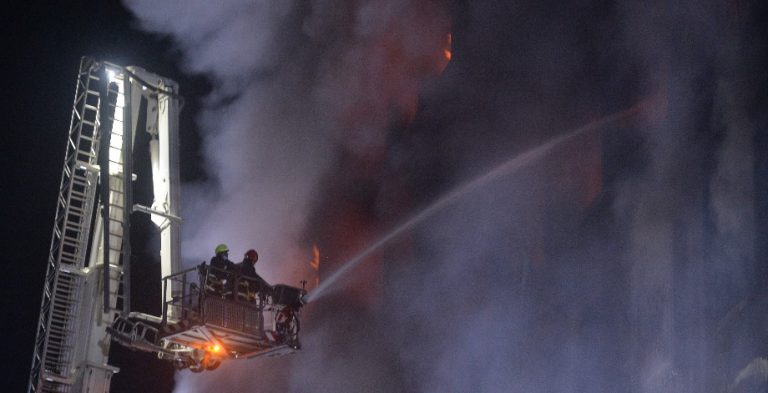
<point x="88" y="267"/>
<point x="232" y="316"/>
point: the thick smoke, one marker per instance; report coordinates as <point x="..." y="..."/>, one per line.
<point x="295" y="84"/>
<point x="622" y="261"/>
<point x="265" y="141"/>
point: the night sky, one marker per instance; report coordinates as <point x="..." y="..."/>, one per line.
<point x="630" y="256"/>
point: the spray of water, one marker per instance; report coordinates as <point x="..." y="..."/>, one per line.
<point x="505" y="168"/>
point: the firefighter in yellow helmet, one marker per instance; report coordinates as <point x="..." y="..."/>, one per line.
<point x="221" y="260"/>
<point x="222" y="271"/>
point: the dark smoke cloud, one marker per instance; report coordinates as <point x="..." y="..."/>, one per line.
<point x="607" y="266"/>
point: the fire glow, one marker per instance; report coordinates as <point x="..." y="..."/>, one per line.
<point x="315" y="264"/>
<point x="447" y="50"/>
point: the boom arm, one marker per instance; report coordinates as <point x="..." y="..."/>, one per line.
<point x="162" y="125"/>
<point x="87" y="280"/>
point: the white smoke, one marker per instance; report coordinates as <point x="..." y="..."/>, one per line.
<point x="293" y="81"/>
<point x="690" y="212"/>
<point x="264" y="143"/>
<point x="503" y="292"/>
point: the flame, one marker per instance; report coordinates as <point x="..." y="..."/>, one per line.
<point x="443" y="60"/>
<point x="447" y="50"/>
<point x="315" y="263"/>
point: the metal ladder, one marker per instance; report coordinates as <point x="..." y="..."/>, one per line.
<point x="55" y="343"/>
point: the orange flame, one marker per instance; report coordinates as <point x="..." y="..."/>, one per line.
<point x="447" y="50"/>
<point x="315" y="263"/>
<point x="443" y="60"/>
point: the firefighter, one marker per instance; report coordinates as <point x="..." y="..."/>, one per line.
<point x="248" y="266"/>
<point x="221" y="259"/>
<point x="221" y="272"/>
<point x="247" y="269"/>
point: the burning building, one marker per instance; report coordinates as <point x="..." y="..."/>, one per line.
<point x="629" y="257"/>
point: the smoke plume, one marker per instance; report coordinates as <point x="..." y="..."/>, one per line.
<point x="612" y="263"/>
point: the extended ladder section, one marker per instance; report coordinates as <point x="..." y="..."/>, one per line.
<point x="55" y="344"/>
<point x="85" y="287"/>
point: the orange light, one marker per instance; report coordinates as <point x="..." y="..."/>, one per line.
<point x="214" y="348"/>
<point x="315" y="263"/>
<point x="449" y="46"/>
<point x="442" y="61"/>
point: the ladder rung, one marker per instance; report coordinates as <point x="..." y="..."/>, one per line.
<point x="60" y="343"/>
<point x="59" y="334"/>
<point x="56" y="333"/>
<point x="63" y="317"/>
<point x="62" y="314"/>
<point x="77" y="209"/>
<point x="78" y="194"/>
<point x="68" y="291"/>
<point x="80" y="181"/>
<point x="67" y="284"/>
<point x="67" y="288"/>
<point x="69" y="242"/>
<point x="63" y="287"/>
<point x="74" y="225"/>
<point x="63" y="296"/>
<point x="88" y="150"/>
<point x="56" y="346"/>
<point x="77" y="198"/>
<point x="64" y="303"/>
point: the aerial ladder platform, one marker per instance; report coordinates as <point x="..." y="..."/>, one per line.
<point x="207" y="316"/>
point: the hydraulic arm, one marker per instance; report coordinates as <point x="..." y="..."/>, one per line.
<point x="88" y="268"/>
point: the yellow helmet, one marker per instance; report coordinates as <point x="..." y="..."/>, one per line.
<point x="221" y="248"/>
